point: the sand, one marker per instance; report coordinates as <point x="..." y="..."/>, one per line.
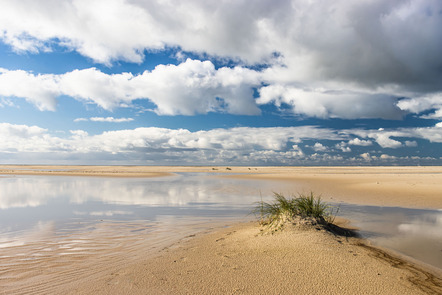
<point x="410" y="187"/>
<point x="240" y="260"/>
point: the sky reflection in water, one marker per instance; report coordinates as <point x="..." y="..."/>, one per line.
<point x="36" y="208"/>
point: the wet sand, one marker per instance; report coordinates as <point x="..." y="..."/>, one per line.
<point x="239" y="260"/>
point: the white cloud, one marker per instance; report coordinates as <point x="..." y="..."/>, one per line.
<point x="78" y="134"/>
<point x="383" y="137"/>
<point x="92" y="85"/>
<point x="23" y="138"/>
<point x="366" y="156"/>
<point x="197" y="87"/>
<point x="331" y="104"/>
<point x="343" y="147"/>
<point x="301" y="30"/>
<point x="357" y="141"/>
<point x="432" y="134"/>
<point x="110" y="119"/>
<point x="384" y="140"/>
<point x="244" y="145"/>
<point x="418" y="104"/>
<point x="192" y="87"/>
<point x="164" y="144"/>
<point x="387" y="157"/>
<point x="40" y="90"/>
<point x="319" y="147"/>
<point x="104" y="119"/>
<point x="348" y="58"/>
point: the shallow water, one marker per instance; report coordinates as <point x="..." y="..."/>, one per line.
<point x="97" y="222"/>
<point x="413" y="232"/>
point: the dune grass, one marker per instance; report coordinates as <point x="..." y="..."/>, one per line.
<point x="302" y="207"/>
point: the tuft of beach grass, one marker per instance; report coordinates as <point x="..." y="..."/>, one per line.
<point x="301" y="209"/>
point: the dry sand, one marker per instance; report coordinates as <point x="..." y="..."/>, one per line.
<point x="412" y="187"/>
<point x="239" y="260"/>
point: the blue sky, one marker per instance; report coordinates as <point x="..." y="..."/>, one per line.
<point x="220" y="82"/>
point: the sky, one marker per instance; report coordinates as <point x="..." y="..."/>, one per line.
<point x="225" y="82"/>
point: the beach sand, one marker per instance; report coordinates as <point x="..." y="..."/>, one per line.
<point x="410" y="187"/>
<point x="239" y="260"/>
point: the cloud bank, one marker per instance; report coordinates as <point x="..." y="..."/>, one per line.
<point x="243" y="145"/>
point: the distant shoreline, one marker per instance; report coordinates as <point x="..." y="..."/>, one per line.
<point x="405" y="186"/>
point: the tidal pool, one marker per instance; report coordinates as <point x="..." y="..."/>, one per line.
<point x="97" y="222"/>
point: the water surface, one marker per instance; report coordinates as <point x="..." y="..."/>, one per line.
<point x="57" y="221"/>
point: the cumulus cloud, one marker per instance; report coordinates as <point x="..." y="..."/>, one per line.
<point x="331" y="104"/>
<point x="24" y="131"/>
<point x="357" y="141"/>
<point x="319" y="147"/>
<point x="92" y="85"/>
<point x="197" y="87"/>
<point x="428" y="102"/>
<point x="384" y="139"/>
<point x="343" y="147"/>
<point x="366" y="156"/>
<point x="40" y="90"/>
<point x="23" y="138"/>
<point x="192" y="87"/>
<point x="348" y="58"/>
